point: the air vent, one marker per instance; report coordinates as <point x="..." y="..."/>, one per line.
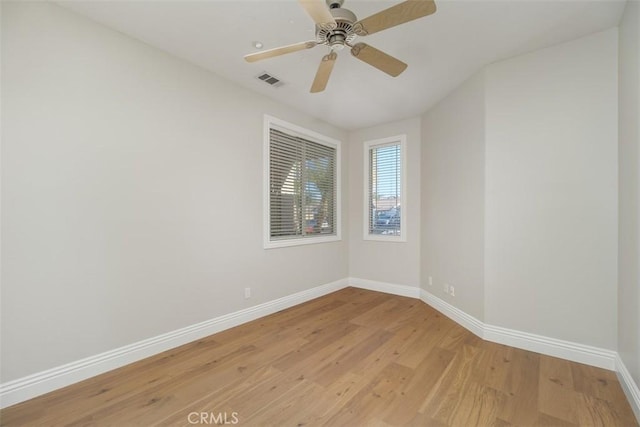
<point x="270" y="79"/>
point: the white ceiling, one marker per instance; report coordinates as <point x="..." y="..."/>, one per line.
<point x="442" y="50"/>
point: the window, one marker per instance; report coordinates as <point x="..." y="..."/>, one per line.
<point x="302" y="191"/>
<point x="385" y="190"/>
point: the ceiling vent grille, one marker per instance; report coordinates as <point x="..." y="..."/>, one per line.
<point x="269" y="79"/>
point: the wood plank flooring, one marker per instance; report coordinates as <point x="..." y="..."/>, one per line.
<point x="351" y="358"/>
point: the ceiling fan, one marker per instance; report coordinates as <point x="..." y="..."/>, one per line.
<point x="337" y="27"/>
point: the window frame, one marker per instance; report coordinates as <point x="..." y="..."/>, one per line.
<point x="268" y="242"/>
<point x="400" y="140"/>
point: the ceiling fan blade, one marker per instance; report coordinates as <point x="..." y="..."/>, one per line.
<point x="378" y="59"/>
<point x="395" y="15"/>
<point x="318" y="11"/>
<point x="323" y="73"/>
<point x="253" y="57"/>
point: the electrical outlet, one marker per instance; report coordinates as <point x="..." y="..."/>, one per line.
<point x="446" y="288"/>
<point x="247" y="293"/>
<point x="430" y="281"/>
<point x="452" y="291"/>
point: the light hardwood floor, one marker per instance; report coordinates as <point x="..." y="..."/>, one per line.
<point x="350" y="358"/>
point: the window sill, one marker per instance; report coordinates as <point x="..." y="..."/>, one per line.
<point x="284" y="243"/>
<point x="382" y="238"/>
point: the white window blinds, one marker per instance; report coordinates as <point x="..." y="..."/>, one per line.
<point x="302" y="187"/>
<point x="384" y="189"/>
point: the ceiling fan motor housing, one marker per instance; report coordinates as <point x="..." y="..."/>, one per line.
<point x="343" y="33"/>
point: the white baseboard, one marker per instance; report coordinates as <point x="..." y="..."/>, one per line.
<point x="601" y="358"/>
<point x="568" y="350"/>
<point x="387" y="288"/>
<point x="455" y="314"/>
<point x="629" y="386"/>
<point x="40" y="383"/>
<point x="581" y="353"/>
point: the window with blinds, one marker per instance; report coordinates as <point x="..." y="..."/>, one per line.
<point x="384" y="189"/>
<point x="302" y="186"/>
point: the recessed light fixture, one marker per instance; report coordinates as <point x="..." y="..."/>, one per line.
<point x="258" y="45"/>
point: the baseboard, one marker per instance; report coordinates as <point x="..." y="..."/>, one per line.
<point x="453" y="313"/>
<point x="568" y="350"/>
<point x="629" y="386"/>
<point x="388" y="288"/>
<point x="594" y="356"/>
<point x="26" y="388"/>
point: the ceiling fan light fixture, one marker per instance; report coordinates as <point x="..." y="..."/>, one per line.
<point x="337" y="41"/>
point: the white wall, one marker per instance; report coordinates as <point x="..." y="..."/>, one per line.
<point x="453" y="197"/>
<point x="629" y="191"/>
<point x="131" y="193"/>
<point x="551" y="192"/>
<point x="390" y="262"/>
